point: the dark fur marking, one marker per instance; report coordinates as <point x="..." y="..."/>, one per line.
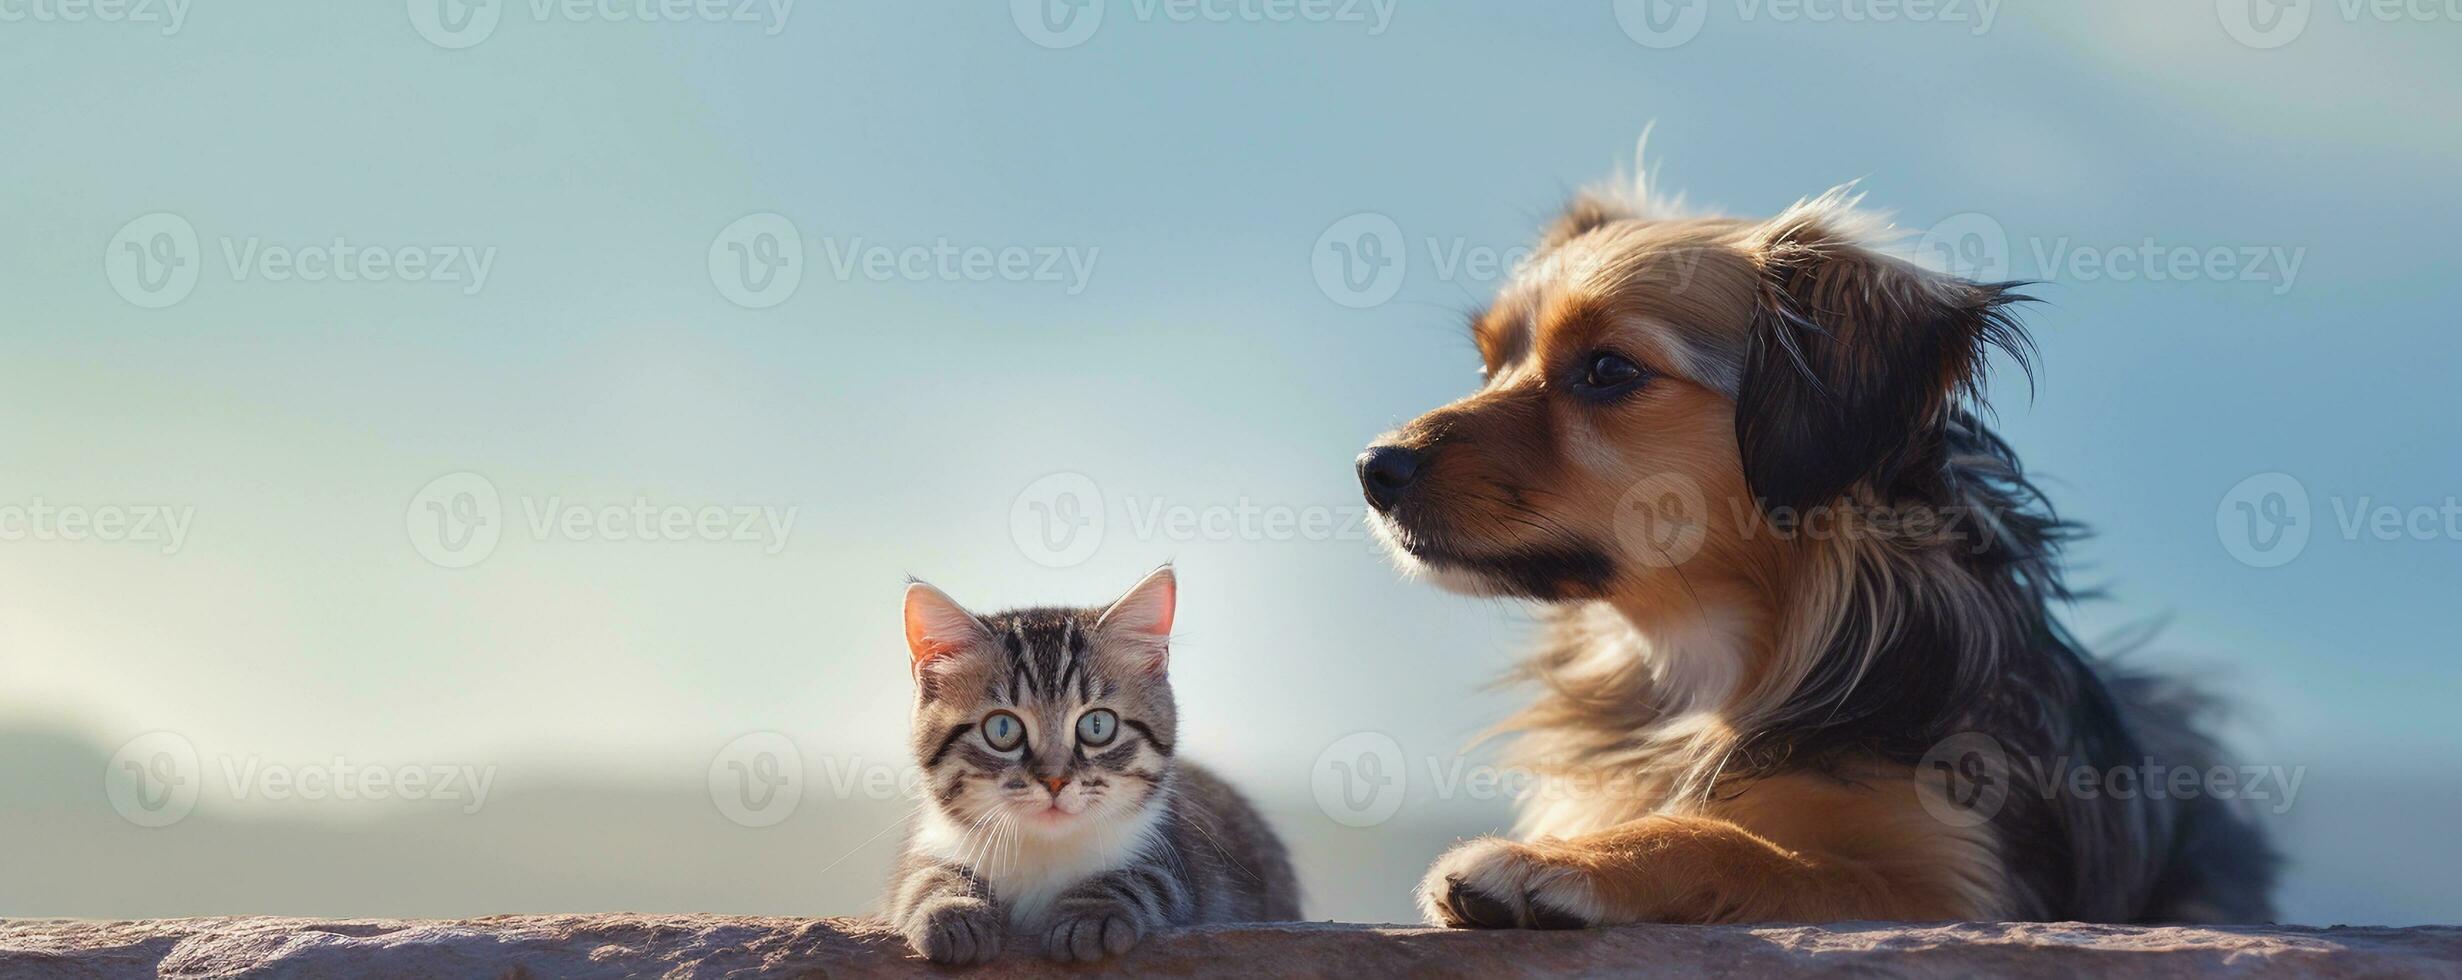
<point x="1545" y="916"/>
<point x="955" y="733"/>
<point x="981" y="757"/>
<point x="1468" y="906"/>
<point x="1140" y="728"/>
<point x="1844" y="375"/>
<point x="1573" y="571"/>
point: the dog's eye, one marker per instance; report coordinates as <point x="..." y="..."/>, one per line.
<point x="1609" y="372"/>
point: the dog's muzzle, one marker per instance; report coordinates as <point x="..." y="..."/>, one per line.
<point x="1385" y="473"/>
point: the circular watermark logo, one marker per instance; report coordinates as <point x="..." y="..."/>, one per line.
<point x="1057" y="521"/>
<point x="1057" y="23"/>
<point x="758" y="779"/>
<point x="1972" y="245"/>
<point x="2264" y="521"/>
<point x="455" y="520"/>
<point x="1663" y="520"/>
<point x="1662" y="23"/>
<point x="1360" y="260"/>
<point x="455" y="24"/>
<point x="757" y="261"/>
<point x="1360" y="780"/>
<point x="2264" y="24"/>
<point x="1971" y="774"/>
<point x="153" y="261"/>
<point x="153" y="779"/>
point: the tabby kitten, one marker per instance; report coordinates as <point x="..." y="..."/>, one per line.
<point x="1054" y="808"/>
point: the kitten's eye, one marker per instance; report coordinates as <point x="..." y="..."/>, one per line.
<point x="1002" y="730"/>
<point x="1097" y="727"/>
<point x="1609" y="373"/>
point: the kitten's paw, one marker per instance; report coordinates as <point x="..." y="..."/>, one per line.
<point x="1492" y="883"/>
<point x="1090" y="935"/>
<point x="961" y="932"/>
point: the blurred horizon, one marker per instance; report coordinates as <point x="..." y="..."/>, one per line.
<point x="513" y="391"/>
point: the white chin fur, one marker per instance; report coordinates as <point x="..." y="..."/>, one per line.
<point x="1455" y="580"/>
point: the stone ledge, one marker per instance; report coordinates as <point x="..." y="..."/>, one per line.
<point x="745" y="946"/>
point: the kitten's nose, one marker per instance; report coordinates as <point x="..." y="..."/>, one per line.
<point x="1055" y="782"/>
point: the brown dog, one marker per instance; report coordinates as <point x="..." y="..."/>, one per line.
<point x="1801" y="662"/>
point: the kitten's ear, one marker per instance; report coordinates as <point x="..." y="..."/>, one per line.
<point x="937" y="626"/>
<point x="1143" y="615"/>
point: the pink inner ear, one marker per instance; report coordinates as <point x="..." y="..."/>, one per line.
<point x="935" y="626"/>
<point x="924" y="650"/>
<point x="1150" y="606"/>
<point x="919" y="643"/>
<point x="1166" y="605"/>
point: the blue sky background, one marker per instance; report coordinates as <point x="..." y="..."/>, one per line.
<point x="1195" y="164"/>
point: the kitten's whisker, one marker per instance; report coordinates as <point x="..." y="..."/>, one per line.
<point x="986" y="832"/>
<point x="876" y="835"/>
<point x="1008" y="839"/>
<point x="1197" y="822"/>
<point x="1171" y="850"/>
<point x="987" y="847"/>
<point x="972" y="841"/>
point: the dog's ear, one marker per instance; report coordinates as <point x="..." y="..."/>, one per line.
<point x="1588" y="211"/>
<point x="1626" y="196"/>
<point x="1856" y="358"/>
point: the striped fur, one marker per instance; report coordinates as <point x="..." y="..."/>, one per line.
<point x="1081" y="844"/>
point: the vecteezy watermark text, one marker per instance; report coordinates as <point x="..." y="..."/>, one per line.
<point x="456" y="521"/>
<point x="1976" y="246"/>
<point x="1362" y="779"/>
<point x="41" y="520"/>
<point x="342" y="260"/>
<point x="171" y="14"/>
<point x="758" y="260"/>
<point x="1069" y="23"/>
<point x="347" y="781"/>
<point x="154" y="261"/>
<point x="1970" y="777"/>
<point x="2267" y="520"/>
<point x="1060" y="520"/>
<point x="156" y="780"/>
<point x="1673" y="23"/>
<point x="457" y="24"/>
<point x="759" y="779"/>
<point x="1363" y="260"/>
<point x="2265" y="24"/>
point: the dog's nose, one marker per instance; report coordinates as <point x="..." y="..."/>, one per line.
<point x="1386" y="471"/>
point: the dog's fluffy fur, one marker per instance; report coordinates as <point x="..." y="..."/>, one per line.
<point x="1783" y="568"/>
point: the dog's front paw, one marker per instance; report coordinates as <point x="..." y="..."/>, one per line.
<point x="1090" y="934"/>
<point x="1492" y="883"/>
<point x="959" y="931"/>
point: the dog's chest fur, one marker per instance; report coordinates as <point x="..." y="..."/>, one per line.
<point x="1627" y="713"/>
